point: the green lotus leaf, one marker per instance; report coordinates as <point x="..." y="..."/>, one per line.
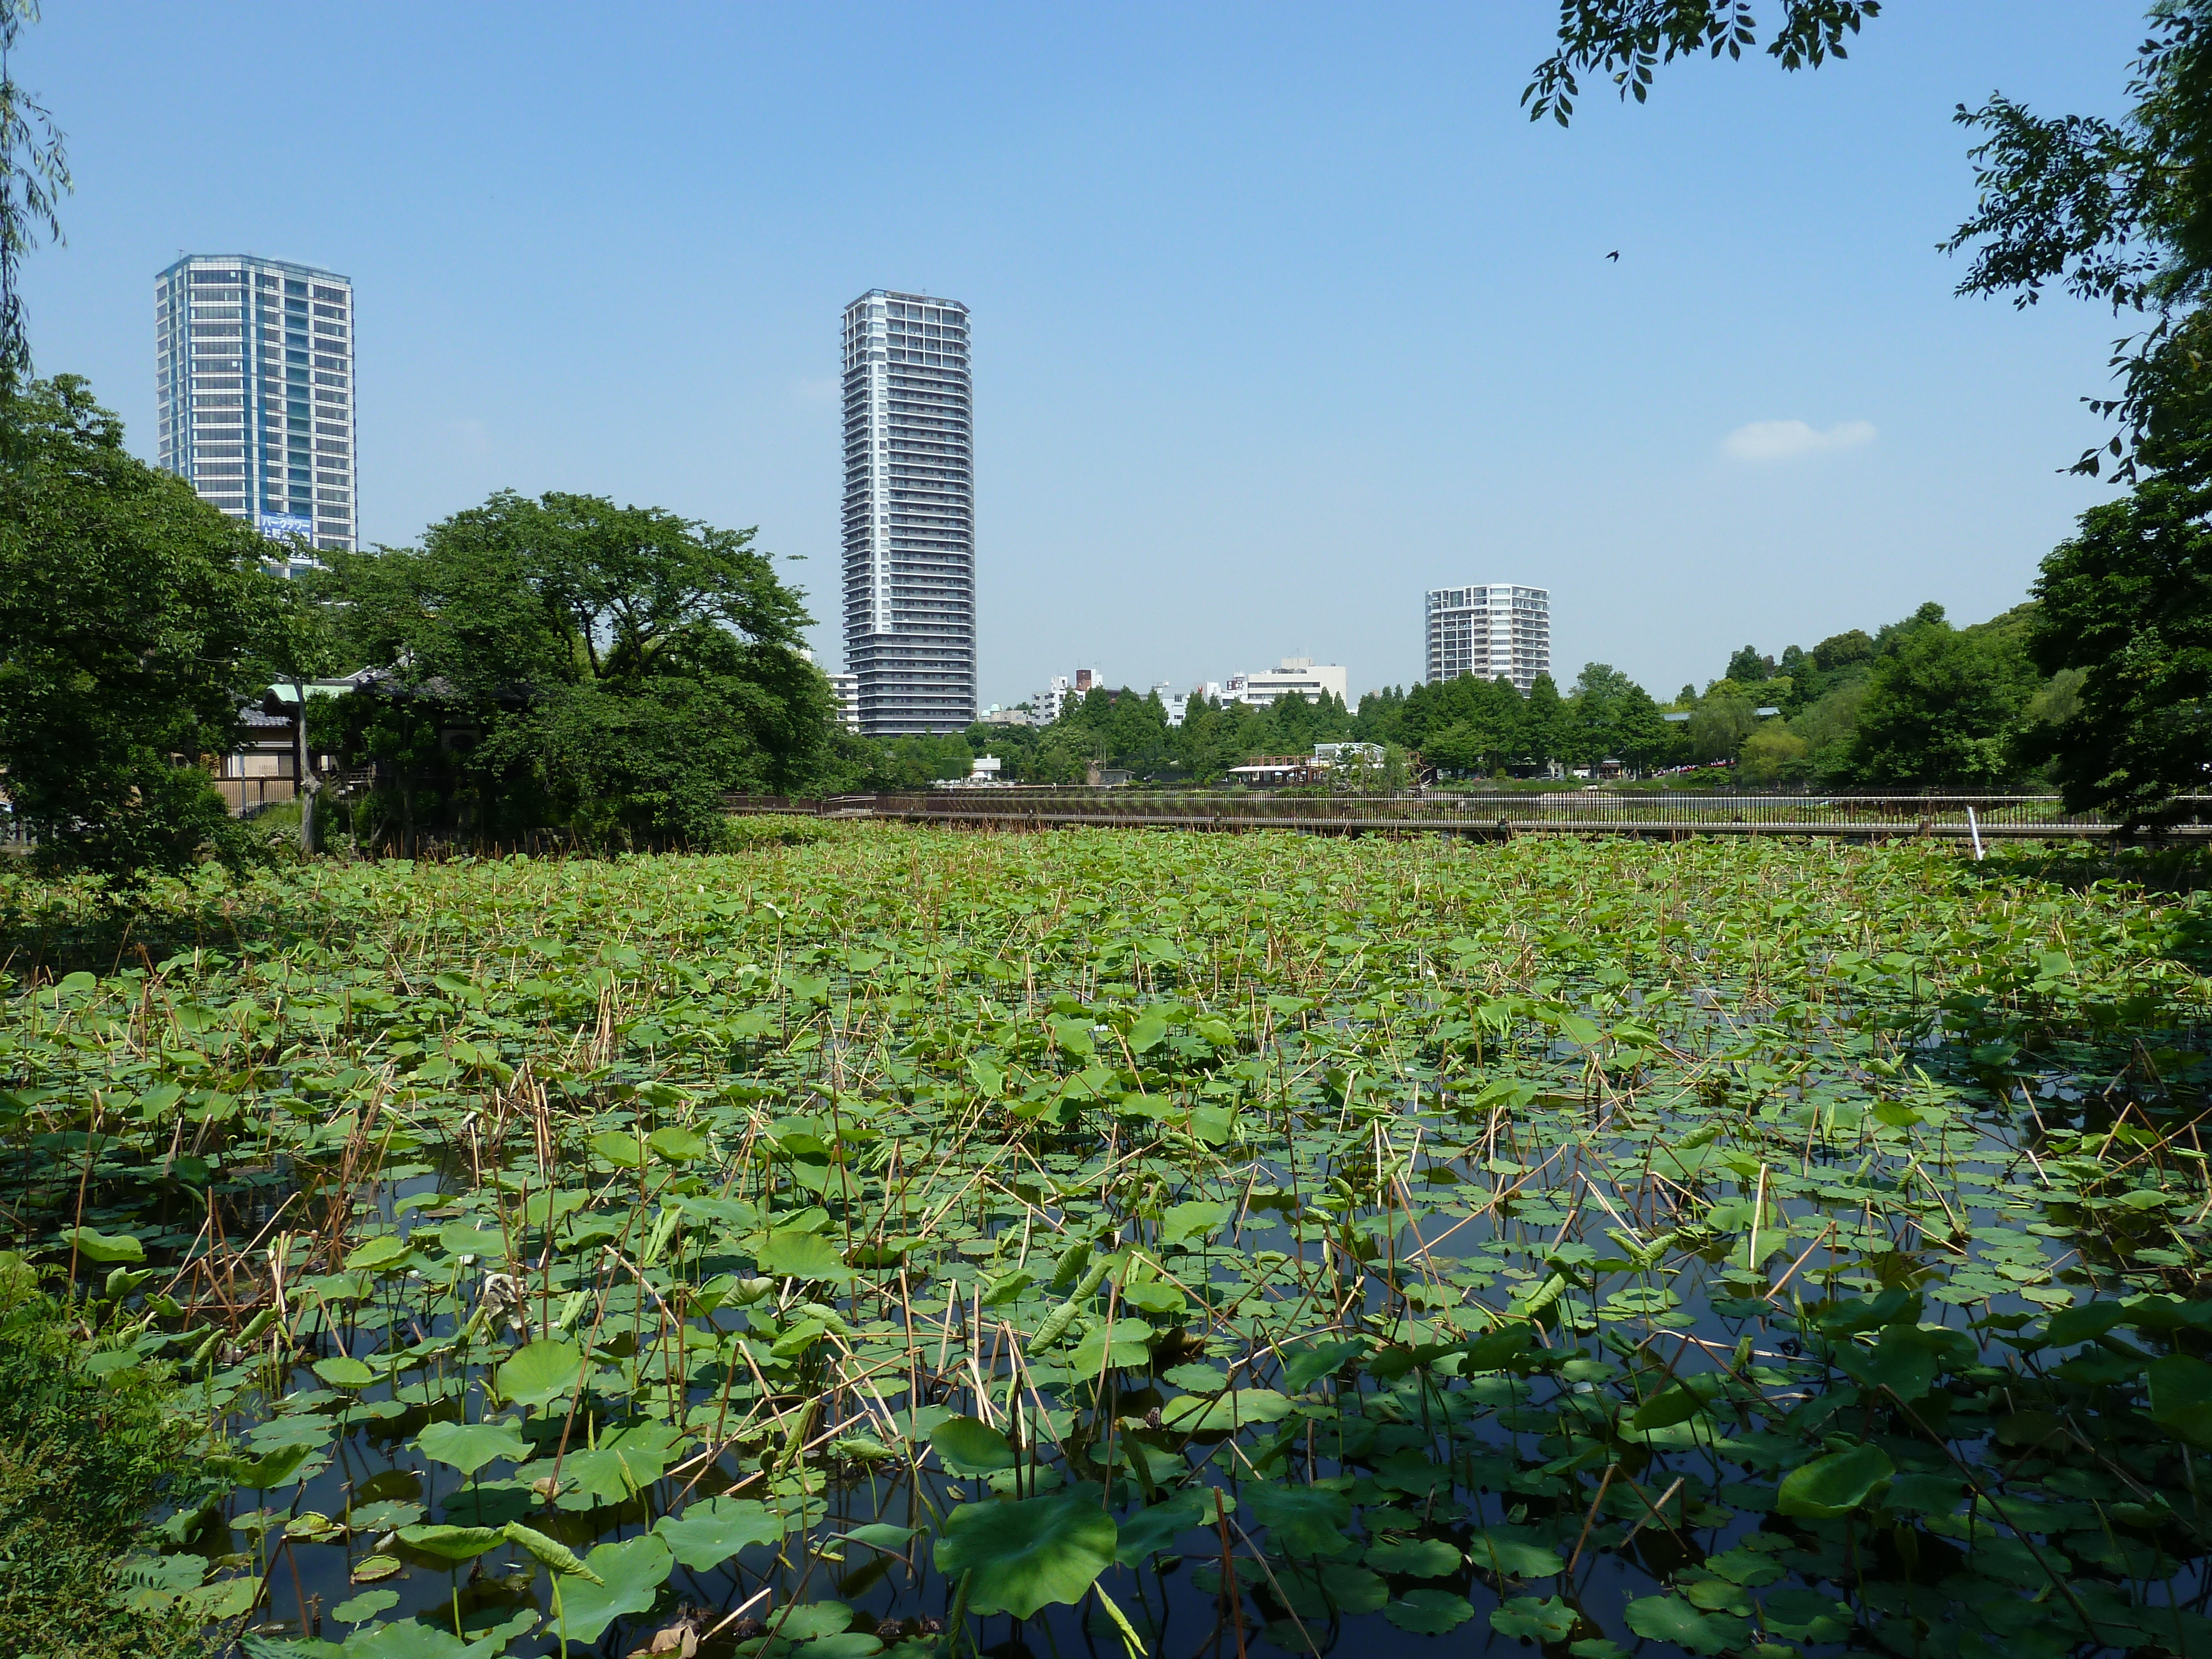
<point x="340" y="1372"/>
<point x="2181" y="1397"/>
<point x="1512" y="1552"/>
<point x="1148" y="1033"/>
<point x="262" y="1474"/>
<point x="1834" y="1485"/>
<point x="811" y="1621"/>
<point x="104" y="1247"/>
<point x="631" y="1574"/>
<point x="1029" y="1553"/>
<point x="1416" y="1558"/>
<point x="551" y="1552"/>
<point x="1806" y="1615"/>
<point x="1144" y="1532"/>
<point x="792" y="1253"/>
<point x="709" y="1532"/>
<point x="1304" y="1367"/>
<point x="462" y="1238"/>
<point x="412" y="1638"/>
<point x="1525" y="1618"/>
<point x="1190" y="1414"/>
<point x="1670" y="1619"/>
<point x="881" y="1535"/>
<point x="1666" y="1408"/>
<point x="618" y="1147"/>
<point x="377" y="1253"/>
<point x="1197" y="1219"/>
<point x="1302" y="1521"/>
<point x="969" y="1447"/>
<point x="845" y="1644"/>
<point x="1429" y="1612"/>
<point x="677" y="1144"/>
<point x="541" y="1373"/>
<point x="451" y="1543"/>
<point x="469" y="1447"/>
<point x="1125" y="1343"/>
<point x="359" y="1609"/>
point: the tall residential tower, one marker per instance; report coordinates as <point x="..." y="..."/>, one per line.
<point x="909" y="515"/>
<point x="1499" y="632"/>
<point x="254" y="378"/>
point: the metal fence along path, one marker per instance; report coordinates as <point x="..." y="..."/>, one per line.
<point x="1973" y="818"/>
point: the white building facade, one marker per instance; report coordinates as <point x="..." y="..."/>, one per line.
<point x="254" y="388"/>
<point x="1498" y="632"/>
<point x="909" y="519"/>
<point x="1302" y="675"/>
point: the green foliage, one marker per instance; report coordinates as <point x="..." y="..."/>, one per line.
<point x="2126" y="611"/>
<point x="1626" y="40"/>
<point x="1941" y="707"/>
<point x="82" y="1457"/>
<point x="607" y="671"/>
<point x="131" y="612"/>
<point x="1028" y="1554"/>
<point x="891" y="1171"/>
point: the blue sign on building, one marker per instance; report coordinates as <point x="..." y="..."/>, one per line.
<point x="279" y="526"/>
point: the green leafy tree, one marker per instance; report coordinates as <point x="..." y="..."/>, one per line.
<point x="1625" y="41"/>
<point x="1747" y="667"/>
<point x="1719" y="723"/>
<point x="2126" y="617"/>
<point x="1544" y="737"/>
<point x="1942" y="708"/>
<point x="35" y="176"/>
<point x="609" y="670"/>
<point x="131" y="612"/>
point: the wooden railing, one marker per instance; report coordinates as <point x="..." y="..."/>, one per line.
<point x="1959" y="817"/>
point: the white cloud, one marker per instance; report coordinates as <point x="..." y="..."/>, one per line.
<point x="1782" y="440"/>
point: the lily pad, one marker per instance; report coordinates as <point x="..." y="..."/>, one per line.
<point x="1419" y="1557"/>
<point x="790" y="1252"/>
<point x="969" y="1447"/>
<point x="469" y="1447"/>
<point x="1834" y="1485"/>
<point x="1029" y="1553"/>
<point x="1429" y="1612"/>
<point x="634" y="1571"/>
<point x="1546" y="1622"/>
<point x="104" y="1247"/>
<point x="541" y="1373"/>
<point x="709" y="1532"/>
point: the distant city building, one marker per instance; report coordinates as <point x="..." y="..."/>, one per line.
<point x="1498" y="632"/>
<point x="1300" y="675"/>
<point x="995" y="715"/>
<point x="254" y="389"/>
<point x="1060" y="693"/>
<point x="847" y="688"/>
<point x="910" y="513"/>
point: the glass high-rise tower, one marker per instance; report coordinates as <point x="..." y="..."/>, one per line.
<point x="909" y="515"/>
<point x="254" y="370"/>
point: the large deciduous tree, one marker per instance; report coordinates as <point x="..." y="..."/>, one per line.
<point x="132" y="615"/>
<point x="1942" y="708"/>
<point x="618" y="667"/>
<point x="2129" y="600"/>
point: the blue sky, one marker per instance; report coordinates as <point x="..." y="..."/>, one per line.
<point x="1283" y="314"/>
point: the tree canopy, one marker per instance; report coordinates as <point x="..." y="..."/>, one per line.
<point x="567" y="662"/>
<point x="1625" y="41"/>
<point x="133" y="619"/>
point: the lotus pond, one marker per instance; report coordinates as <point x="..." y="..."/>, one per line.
<point x="1116" y="1243"/>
